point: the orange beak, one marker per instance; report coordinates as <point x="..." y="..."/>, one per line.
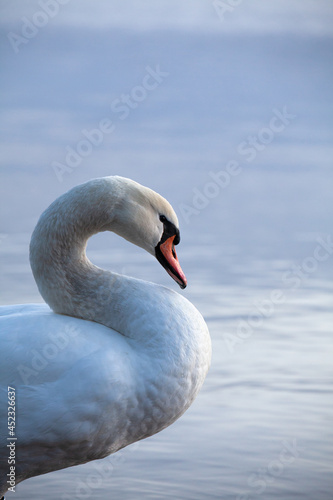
<point x="168" y="258"/>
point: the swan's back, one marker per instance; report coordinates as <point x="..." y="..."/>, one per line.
<point x="71" y="379"/>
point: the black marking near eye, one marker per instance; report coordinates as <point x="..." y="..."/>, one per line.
<point x="169" y="230"/>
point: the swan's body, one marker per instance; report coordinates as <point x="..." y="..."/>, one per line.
<point x="129" y="368"/>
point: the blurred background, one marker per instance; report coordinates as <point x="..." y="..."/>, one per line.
<point x="224" y="108"/>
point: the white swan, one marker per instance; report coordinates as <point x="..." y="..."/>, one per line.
<point x="133" y="363"/>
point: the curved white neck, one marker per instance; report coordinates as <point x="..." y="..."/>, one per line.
<point x="67" y="280"/>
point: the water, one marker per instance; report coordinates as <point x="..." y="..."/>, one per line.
<point x="256" y="249"/>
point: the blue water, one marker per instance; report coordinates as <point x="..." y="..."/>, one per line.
<point x="256" y="245"/>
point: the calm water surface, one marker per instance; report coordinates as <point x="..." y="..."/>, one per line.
<point x="261" y="428"/>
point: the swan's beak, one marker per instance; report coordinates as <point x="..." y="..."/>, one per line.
<point x="166" y="255"/>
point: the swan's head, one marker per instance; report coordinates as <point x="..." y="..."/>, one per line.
<point x="148" y="220"/>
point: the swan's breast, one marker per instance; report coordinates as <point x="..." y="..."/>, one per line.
<point x="84" y="390"/>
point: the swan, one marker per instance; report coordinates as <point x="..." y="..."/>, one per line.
<point x="109" y="359"/>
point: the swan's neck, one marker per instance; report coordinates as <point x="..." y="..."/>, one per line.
<point x="67" y="280"/>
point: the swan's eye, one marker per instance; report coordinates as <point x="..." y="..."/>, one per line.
<point x="163" y="218"/>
